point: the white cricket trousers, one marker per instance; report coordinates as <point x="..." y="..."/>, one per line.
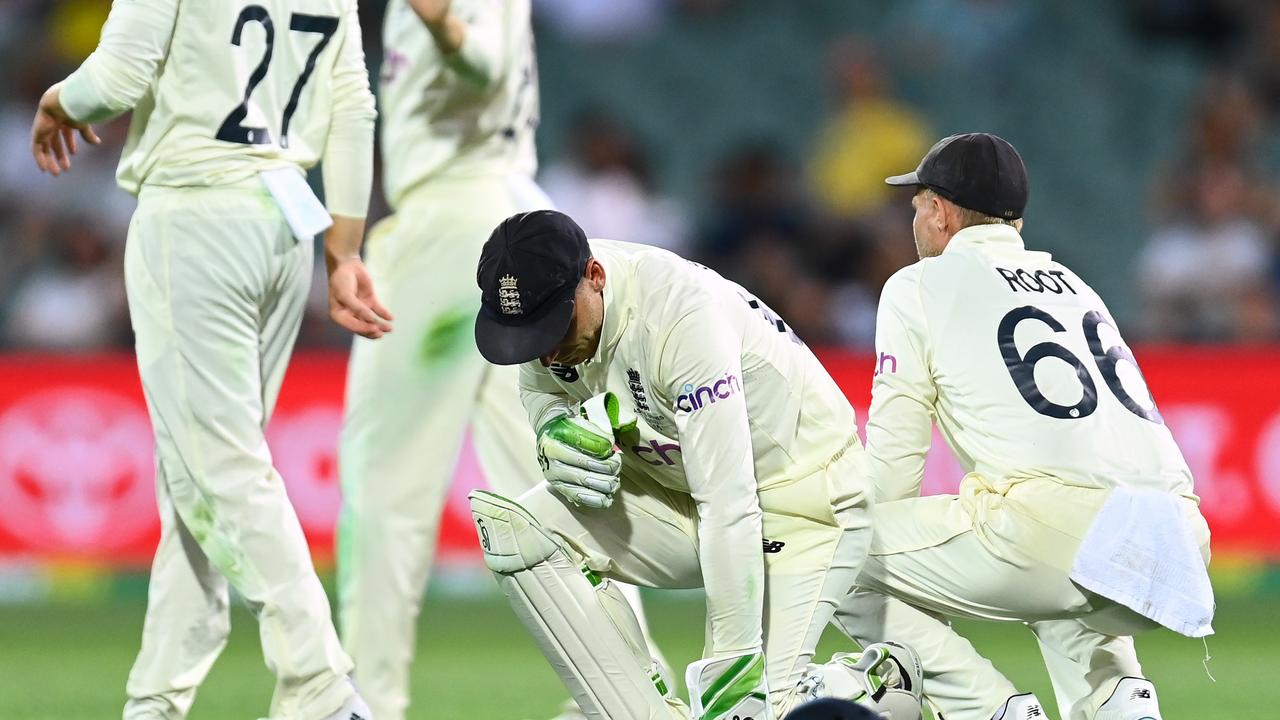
<point x="216" y="285"/>
<point x="410" y="398"/>
<point x="1005" y="555"/>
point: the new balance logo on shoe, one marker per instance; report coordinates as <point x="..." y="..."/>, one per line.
<point x="1141" y="692"/>
<point x="773" y="547"/>
<point x="1034" y="712"/>
<point x="357" y="716"/>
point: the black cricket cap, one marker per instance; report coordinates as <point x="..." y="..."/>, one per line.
<point x="978" y="171"/>
<point x="832" y="709"/>
<point x="529" y="271"/>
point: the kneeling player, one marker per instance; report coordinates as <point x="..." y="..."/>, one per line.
<point x="735" y="468"/>
<point x="1077" y="516"/>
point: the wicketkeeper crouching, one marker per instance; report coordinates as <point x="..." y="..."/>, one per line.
<point x="688" y="439"/>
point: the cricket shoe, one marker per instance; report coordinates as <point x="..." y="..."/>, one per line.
<point x="1133" y="699"/>
<point x="354" y="708"/>
<point x="1022" y="707"/>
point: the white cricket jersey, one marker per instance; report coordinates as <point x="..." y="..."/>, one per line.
<point x="728" y="402"/>
<point x="223" y="89"/>
<point x="1023" y="368"/>
<point x="473" y="112"/>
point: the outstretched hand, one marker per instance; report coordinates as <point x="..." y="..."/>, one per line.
<point x="53" y="134"/>
<point x="352" y="302"/>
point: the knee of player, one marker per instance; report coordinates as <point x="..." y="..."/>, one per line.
<point x="510" y="536"/>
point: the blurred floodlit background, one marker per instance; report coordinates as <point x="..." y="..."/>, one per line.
<point x="754" y="135"/>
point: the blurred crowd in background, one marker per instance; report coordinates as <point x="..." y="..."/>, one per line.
<point x="794" y="207"/>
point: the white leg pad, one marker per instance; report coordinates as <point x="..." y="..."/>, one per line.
<point x="583" y="625"/>
<point x="632" y="595"/>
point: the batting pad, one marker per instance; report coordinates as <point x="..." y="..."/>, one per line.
<point x="581" y="622"/>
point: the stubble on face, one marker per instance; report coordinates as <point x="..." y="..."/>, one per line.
<point x="585" y="326"/>
<point x="922" y="225"/>
<point x="584" y="330"/>
<point x="924" y="249"/>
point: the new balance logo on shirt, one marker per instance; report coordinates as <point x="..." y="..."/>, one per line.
<point x="566" y="373"/>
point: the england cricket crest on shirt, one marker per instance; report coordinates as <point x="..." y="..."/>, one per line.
<point x="509" y="296"/>
<point x="636" y="386"/>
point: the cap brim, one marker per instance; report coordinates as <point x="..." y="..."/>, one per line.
<point x="503" y="344"/>
<point x="910" y="178"/>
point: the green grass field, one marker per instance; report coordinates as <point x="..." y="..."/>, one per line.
<point x="68" y="661"/>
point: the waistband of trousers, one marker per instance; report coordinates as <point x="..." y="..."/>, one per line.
<point x="249" y="185"/>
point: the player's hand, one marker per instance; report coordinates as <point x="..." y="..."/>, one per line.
<point x="579" y="461"/>
<point x="53" y="134"/>
<point x="352" y="302"/>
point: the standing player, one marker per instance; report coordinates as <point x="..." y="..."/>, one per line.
<point x="740" y="471"/>
<point x="231" y="101"/>
<point x="459" y="95"/>
<point x="1077" y="515"/>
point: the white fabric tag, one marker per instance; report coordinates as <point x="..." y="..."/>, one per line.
<point x="302" y="209"/>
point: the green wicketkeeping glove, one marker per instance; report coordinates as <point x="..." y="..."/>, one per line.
<point x="580" y="460"/>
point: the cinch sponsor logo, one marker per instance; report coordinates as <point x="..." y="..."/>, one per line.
<point x="656" y="453"/>
<point x="694" y="399"/>
<point x="886" y="363"/>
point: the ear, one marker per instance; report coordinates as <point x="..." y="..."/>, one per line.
<point x="595" y="274"/>
<point x="940" y="211"/>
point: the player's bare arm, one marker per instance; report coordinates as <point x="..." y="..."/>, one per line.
<point x="352" y="301"/>
<point x="53" y="134"/>
<point x="473" y="41"/>
<point x="447" y="29"/>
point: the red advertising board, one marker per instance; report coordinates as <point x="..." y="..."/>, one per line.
<point x="76" y="472"/>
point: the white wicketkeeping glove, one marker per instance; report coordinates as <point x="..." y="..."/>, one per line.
<point x="729" y="687"/>
<point x="580" y="461"/>
<point x="886" y="677"/>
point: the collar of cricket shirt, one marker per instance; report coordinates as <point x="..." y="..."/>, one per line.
<point x="987" y="235"/>
<point x="616" y="311"/>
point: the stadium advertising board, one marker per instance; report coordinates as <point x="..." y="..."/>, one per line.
<point x="77" y="476"/>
